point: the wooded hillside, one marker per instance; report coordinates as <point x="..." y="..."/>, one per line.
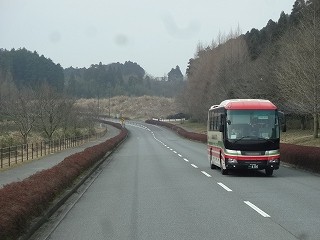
<point x="279" y="62"/>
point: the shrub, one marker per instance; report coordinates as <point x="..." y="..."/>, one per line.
<point x="305" y="157"/>
<point x="181" y="131"/>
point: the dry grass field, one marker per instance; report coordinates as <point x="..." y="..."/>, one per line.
<point x="144" y="107"/>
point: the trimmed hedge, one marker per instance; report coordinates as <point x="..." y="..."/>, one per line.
<point x="179" y="130"/>
<point x="304" y="157"/>
<point x="21" y="202"/>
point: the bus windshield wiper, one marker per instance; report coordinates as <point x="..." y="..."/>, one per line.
<point x="253" y="138"/>
<point x="237" y="140"/>
<point x="266" y="139"/>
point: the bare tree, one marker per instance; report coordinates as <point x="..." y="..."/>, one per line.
<point x="52" y="107"/>
<point x="298" y="72"/>
<point x="19" y="106"/>
<point x="232" y="56"/>
<point x="215" y="74"/>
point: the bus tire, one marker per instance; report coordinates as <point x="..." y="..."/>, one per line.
<point x="212" y="166"/>
<point x="269" y="172"/>
<point x="223" y="171"/>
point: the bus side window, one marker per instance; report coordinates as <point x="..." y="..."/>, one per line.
<point x="211" y="121"/>
<point x="218" y="122"/>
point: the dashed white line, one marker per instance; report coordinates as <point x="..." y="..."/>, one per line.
<point x="195" y="166"/>
<point x="186" y="160"/>
<point x="179" y="155"/>
<point x="174" y="151"/>
<point x="225" y="187"/>
<point x="254" y="207"/>
<point x="208" y="175"/>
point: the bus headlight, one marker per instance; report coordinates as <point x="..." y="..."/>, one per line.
<point x="273" y="161"/>
<point x="231" y="160"/>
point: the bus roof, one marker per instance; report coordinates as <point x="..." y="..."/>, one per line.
<point x="246" y="104"/>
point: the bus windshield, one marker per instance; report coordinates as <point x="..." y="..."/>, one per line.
<point x="252" y="124"/>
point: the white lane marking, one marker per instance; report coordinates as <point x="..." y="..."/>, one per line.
<point x="186" y="160"/>
<point x="208" y="175"/>
<point x="174" y="151"/>
<point x="225" y="187"/>
<point x="179" y="155"/>
<point x="254" y="207"/>
<point x="168" y="147"/>
<point x="171" y="149"/>
<point x="195" y="166"/>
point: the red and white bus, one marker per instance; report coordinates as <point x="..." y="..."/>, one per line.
<point x="244" y="134"/>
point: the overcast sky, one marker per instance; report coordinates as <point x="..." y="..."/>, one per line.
<point x="158" y="35"/>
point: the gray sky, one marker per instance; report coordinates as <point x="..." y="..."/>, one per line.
<point x="158" y="35"/>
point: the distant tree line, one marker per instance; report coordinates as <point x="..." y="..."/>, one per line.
<point x="116" y="79"/>
<point x="280" y="62"/>
<point x="23" y="68"/>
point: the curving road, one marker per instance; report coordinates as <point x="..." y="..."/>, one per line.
<point x="160" y="186"/>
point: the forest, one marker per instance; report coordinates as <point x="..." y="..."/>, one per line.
<point x="116" y="79"/>
<point x="280" y="62"/>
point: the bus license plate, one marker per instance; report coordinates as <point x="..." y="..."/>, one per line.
<point x="253" y="166"/>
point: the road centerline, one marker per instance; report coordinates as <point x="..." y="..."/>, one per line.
<point x="254" y="207"/>
<point x="195" y="166"/>
<point x="225" y="187"/>
<point x="205" y="173"/>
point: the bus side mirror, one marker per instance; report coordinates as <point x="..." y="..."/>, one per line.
<point x="284" y="128"/>
<point x="283" y="121"/>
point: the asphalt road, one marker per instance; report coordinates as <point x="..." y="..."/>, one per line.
<point x="160" y="186"/>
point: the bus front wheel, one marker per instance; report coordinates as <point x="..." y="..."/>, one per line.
<point x="212" y="166"/>
<point x="269" y="172"/>
<point x="223" y="171"/>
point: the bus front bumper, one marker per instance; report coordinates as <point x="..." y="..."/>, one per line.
<point x="252" y="164"/>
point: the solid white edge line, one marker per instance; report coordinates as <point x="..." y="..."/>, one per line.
<point x="195" y="166"/>
<point x="254" y="207"/>
<point x="208" y="175"/>
<point x="225" y="187"/>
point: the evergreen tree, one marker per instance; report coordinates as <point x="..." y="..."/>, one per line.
<point x="175" y="75"/>
<point x="296" y="13"/>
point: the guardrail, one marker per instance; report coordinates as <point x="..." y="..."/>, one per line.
<point x="14" y="155"/>
<point x="169" y="119"/>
